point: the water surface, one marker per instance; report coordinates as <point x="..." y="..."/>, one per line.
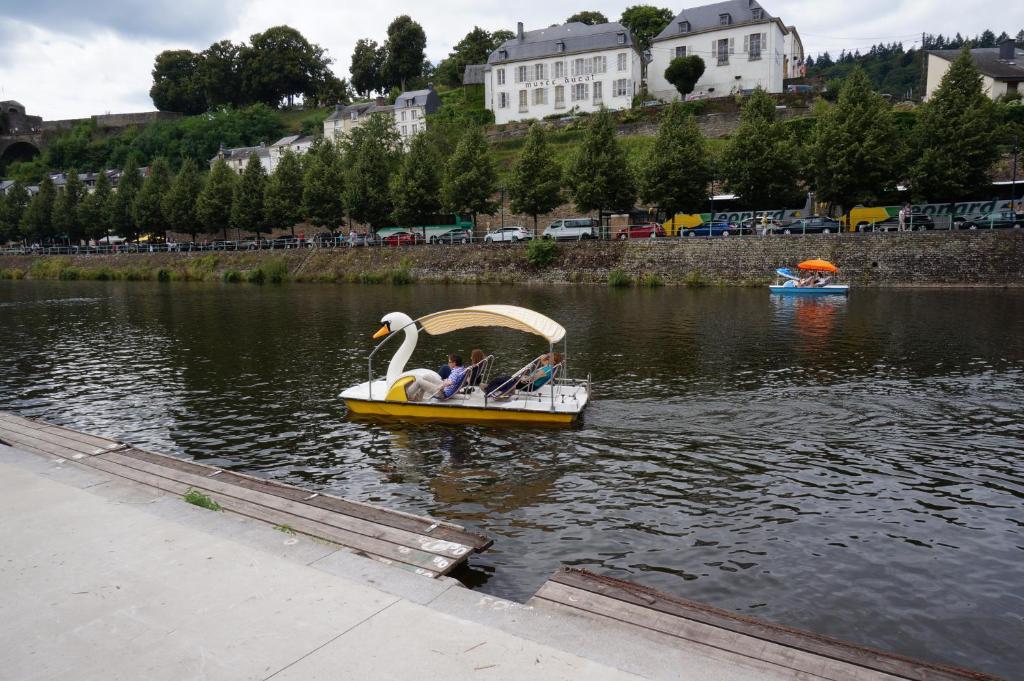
<point x="851" y="467"/>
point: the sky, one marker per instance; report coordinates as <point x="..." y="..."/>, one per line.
<point x="71" y="59"/>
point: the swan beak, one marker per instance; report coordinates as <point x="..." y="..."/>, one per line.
<point x="382" y="331"/>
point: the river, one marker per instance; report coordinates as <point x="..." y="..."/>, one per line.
<point x="853" y="467"/>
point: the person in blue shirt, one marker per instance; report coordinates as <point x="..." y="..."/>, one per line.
<point x="455" y="375"/>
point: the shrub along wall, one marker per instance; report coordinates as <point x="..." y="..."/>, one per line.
<point x="980" y="258"/>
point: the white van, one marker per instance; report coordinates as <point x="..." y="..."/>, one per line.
<point x="576" y="229"/>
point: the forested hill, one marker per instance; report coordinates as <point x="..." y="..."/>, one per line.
<point x="892" y="68"/>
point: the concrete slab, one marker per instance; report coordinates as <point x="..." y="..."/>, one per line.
<point x="411" y="587"/>
<point x="94" y="589"/>
<point x="409" y="641"/>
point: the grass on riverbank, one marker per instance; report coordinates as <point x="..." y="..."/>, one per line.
<point x="197" y="498"/>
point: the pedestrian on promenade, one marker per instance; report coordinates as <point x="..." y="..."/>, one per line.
<point x="904" y="213"/>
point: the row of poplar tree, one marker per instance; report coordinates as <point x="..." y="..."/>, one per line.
<point x="856" y="153"/>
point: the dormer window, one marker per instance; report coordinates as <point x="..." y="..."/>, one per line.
<point x="503" y="54"/>
<point x="621" y="37"/>
<point x="724" y="19"/>
<point x="560" y="46"/>
<point x="757" y="13"/>
<point x="684" y="26"/>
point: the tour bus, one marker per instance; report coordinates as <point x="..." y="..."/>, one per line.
<point x="936" y="215"/>
<point x="436" y="227"/>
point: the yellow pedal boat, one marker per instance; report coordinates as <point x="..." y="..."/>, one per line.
<point x="411" y="393"/>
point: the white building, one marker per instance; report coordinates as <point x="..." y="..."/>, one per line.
<point x="238" y="157"/>
<point x="409" y="111"/>
<point x="1002" y="68"/>
<point x="297" y="144"/>
<point x="742" y="46"/>
<point x="558" y="69"/>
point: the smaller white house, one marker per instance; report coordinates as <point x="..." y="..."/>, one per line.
<point x="743" y="48"/>
<point x="562" y="68"/>
<point x="1002" y="68"/>
<point x="297" y="144"/>
<point x="239" y="156"/>
<point x="409" y="111"/>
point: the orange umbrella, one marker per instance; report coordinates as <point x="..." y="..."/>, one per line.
<point x="818" y="266"/>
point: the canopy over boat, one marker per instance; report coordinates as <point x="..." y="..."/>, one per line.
<point x="818" y="265"/>
<point x="785" y="273"/>
<point x="508" y="316"/>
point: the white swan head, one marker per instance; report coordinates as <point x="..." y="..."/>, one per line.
<point x="392" y="323"/>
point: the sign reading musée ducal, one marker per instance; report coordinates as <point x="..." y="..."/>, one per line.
<point x="568" y="80"/>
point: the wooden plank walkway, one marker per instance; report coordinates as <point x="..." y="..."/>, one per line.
<point x="419" y="544"/>
<point x="765" y="644"/>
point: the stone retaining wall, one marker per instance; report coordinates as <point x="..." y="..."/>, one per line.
<point x="876" y="260"/>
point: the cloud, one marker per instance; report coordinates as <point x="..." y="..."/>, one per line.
<point x="186" y="20"/>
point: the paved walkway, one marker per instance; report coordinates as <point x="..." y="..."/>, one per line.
<point x="106" y="579"/>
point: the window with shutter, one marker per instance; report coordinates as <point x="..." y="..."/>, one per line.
<point x="501" y="76"/>
<point x="597" y="92"/>
<point x="523" y="105"/>
<point x="559" y="96"/>
<point x="681" y="51"/>
<point x="559" y="69"/>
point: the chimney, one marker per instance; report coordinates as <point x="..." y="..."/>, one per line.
<point x="519" y="31"/>
<point x="381" y="101"/>
<point x="1008" y="49"/>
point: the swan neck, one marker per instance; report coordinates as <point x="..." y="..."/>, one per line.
<point x="397" y="365"/>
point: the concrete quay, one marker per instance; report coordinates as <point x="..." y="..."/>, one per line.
<point x="105" y="578"/>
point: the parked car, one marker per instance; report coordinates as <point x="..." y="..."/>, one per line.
<point x="512" y="233"/>
<point x="916" y="222"/>
<point x="717" y="228"/>
<point x="402" y="239"/>
<point x="458" y="235"/>
<point x="576" y="229"/>
<point x="648" y="231"/>
<point x="1003" y="219"/>
<point x="813" y="225"/>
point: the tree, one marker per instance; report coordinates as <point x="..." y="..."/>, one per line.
<point x="684" y="72"/>
<point x="37" y="220"/>
<point x="645" y="22"/>
<point x="474" y="48"/>
<point x="954" y="142"/>
<point x="599" y="177"/>
<point x="177" y="82"/>
<point x="371" y="160"/>
<point x="367" y="67"/>
<point x="321" y="190"/>
<point x="92" y="211"/>
<point x="535" y="183"/>
<point x="282" y="200"/>
<point x="179" y="203"/>
<point x="761" y="163"/>
<point x="855" y="148"/>
<point x="65" y="208"/>
<point x="149" y="208"/>
<point x="405" y="51"/>
<point x="416" y="187"/>
<point x="247" y="207"/>
<point x="279" y="64"/>
<point x="12" y="208"/>
<point x="470" y="178"/>
<point x="220" y="74"/>
<point x="217" y="198"/>
<point x="590" y="18"/>
<point x="120" y="207"/>
<point x="676" y="172"/>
